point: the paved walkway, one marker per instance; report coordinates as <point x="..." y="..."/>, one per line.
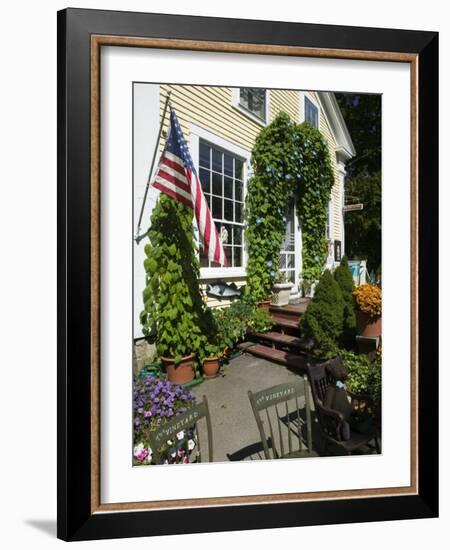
<point x="235" y="433"/>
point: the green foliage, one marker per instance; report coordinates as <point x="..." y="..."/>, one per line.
<point x="364" y="374"/>
<point x="232" y="323"/>
<point x="312" y="196"/>
<point x="344" y="279"/>
<point x="290" y="162"/>
<point x="323" y="319"/>
<point x="275" y="164"/>
<point x="362" y="114"/>
<point x="172" y="301"/>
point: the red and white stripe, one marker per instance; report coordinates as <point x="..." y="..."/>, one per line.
<point x="182" y="184"/>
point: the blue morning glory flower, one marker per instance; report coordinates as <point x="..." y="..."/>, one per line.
<point x="268" y="169"/>
<point x="258" y="220"/>
<point x="269" y="263"/>
<point x="288" y="176"/>
<point x="272" y="273"/>
<point x="284" y="219"/>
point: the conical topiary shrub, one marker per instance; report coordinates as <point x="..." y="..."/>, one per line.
<point x="344" y="279"/>
<point x="323" y="319"/>
<point x="173" y="305"/>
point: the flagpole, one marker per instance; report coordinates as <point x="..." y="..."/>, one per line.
<point x="138" y="237"/>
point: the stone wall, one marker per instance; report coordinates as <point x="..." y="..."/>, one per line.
<point x="142" y="350"/>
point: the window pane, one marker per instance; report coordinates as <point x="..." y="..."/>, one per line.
<point x="204" y="179"/>
<point x="203" y="260"/>
<point x="237" y="256"/>
<point x="217" y="160"/>
<point x="290" y="261"/>
<point x="238" y="188"/>
<point x="311" y="112"/>
<point x="228" y="210"/>
<point x="204" y="155"/>
<point x="228" y="187"/>
<point x="226" y="234"/>
<point x="217" y="184"/>
<point x="283" y="261"/>
<point x="238" y="165"/>
<point x="229" y="255"/>
<point x="237" y="235"/>
<point x="216" y="208"/>
<point x="254" y="99"/>
<point x="228" y="164"/>
<point x="239" y="212"/>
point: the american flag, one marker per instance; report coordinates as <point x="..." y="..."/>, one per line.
<point x="176" y="177"/>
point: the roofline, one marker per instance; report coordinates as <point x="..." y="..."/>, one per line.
<point x="344" y="144"/>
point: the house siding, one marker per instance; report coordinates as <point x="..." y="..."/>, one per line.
<point x="212" y="109"/>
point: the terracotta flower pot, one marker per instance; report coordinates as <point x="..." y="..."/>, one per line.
<point x="367" y="326"/>
<point x="211" y="367"/>
<point x="183" y="372"/>
<point x="264" y="305"/>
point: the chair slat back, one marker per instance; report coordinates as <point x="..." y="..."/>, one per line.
<point x="279" y="420"/>
<point x="186" y="422"/>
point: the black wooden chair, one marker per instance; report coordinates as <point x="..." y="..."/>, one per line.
<point x="278" y="409"/>
<point x="179" y="438"/>
<point x="332" y="421"/>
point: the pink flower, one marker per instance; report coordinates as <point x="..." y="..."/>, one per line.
<point x="140" y="452"/>
<point x="147" y="414"/>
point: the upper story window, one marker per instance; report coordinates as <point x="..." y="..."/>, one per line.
<point x="311" y="113"/>
<point x="254" y="100"/>
<point x="221" y="174"/>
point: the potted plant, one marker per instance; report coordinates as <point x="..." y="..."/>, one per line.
<point x="173" y="306"/>
<point x="281" y="290"/>
<point x="368" y="310"/>
<point x="211" y="362"/>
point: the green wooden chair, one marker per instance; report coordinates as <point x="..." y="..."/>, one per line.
<point x="181" y="435"/>
<point x="277" y="409"/>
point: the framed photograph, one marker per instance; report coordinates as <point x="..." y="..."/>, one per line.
<point x="247" y="255"/>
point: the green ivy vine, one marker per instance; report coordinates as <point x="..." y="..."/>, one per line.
<point x="290" y="161"/>
<point x="312" y="197"/>
<point x="173" y="306"/>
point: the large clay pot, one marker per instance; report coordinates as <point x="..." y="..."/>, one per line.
<point x="366" y="326"/>
<point x="211" y="367"/>
<point x="281" y="293"/>
<point x="183" y="372"/>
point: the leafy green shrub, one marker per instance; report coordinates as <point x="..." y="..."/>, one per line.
<point x="344" y="279"/>
<point x="173" y="305"/>
<point x="364" y="374"/>
<point x="322" y="321"/>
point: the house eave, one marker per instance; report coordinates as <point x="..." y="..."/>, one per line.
<point x="344" y="145"/>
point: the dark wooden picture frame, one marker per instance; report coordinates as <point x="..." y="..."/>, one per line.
<point x="81" y="34"/>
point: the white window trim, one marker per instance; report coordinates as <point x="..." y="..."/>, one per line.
<point x="195" y="134"/>
<point x="235" y="101"/>
<point x="302" y="107"/>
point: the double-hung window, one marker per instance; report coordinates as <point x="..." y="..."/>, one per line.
<point x="221" y="175"/>
<point x="311" y="113"/>
<point x="254" y="101"/>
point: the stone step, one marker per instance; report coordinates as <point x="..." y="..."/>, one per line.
<point x="286" y="358"/>
<point x="282" y="340"/>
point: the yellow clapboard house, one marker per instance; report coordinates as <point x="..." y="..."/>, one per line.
<point x="220" y="125"/>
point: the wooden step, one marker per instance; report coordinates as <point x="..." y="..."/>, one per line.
<point x="291" y="311"/>
<point x="285" y="323"/>
<point x="277" y="338"/>
<point x="286" y="358"/>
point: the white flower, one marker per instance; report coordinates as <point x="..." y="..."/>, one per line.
<point x="169" y="442"/>
<point x="180" y="435"/>
<point x="191" y="444"/>
<point x="173" y="454"/>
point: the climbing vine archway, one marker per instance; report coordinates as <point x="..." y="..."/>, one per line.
<point x="290" y="162"/>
